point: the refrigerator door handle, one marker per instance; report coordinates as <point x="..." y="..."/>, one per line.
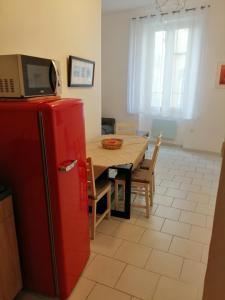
<point x="68" y="167"/>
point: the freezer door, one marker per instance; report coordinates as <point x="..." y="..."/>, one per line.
<point x="63" y="130"/>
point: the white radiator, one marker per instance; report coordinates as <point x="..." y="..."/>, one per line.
<point x="168" y="128"/>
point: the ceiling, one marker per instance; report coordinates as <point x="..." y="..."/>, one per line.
<point x="117" y="5"/>
<point x="120" y="5"/>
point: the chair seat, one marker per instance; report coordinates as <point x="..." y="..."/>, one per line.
<point x="101" y="186"/>
<point x="146" y="164"/>
<point x="141" y="175"/>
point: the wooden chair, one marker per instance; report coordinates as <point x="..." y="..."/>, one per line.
<point x="142" y="180"/>
<point x="146" y="163"/>
<point x="95" y="193"/>
<point x="128" y="128"/>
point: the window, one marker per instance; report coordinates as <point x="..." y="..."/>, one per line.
<point x="164" y="64"/>
<point x="178" y="52"/>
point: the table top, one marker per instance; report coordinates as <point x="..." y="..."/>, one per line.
<point x="132" y="151"/>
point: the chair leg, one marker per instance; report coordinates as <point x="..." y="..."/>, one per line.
<point x="109" y="204"/>
<point x="93" y="219"/>
<point x="153" y="183"/>
<point x="147" y="201"/>
<point x="150" y="193"/>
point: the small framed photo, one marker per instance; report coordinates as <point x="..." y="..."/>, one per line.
<point x="221" y="75"/>
<point x="80" y="72"/>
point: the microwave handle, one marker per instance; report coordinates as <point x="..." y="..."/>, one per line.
<point x="53" y="64"/>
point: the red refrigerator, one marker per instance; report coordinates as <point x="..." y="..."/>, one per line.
<point x="43" y="159"/>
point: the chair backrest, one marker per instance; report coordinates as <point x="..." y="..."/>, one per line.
<point x="156" y="152"/>
<point x="91" y="179"/>
<point x="128" y="128"/>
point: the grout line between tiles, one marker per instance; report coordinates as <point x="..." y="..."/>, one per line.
<point x="126" y="264"/>
<point x="95" y="284"/>
<point x="156" y="287"/>
<point x="148" y="258"/>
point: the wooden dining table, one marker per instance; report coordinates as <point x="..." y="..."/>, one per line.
<point x="120" y="162"/>
<point x="132" y="151"/>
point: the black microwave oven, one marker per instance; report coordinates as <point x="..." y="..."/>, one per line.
<point x="24" y="76"/>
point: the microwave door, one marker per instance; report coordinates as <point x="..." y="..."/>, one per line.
<point x="39" y="76"/>
<point x="54" y="77"/>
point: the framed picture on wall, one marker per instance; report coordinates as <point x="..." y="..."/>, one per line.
<point x="221" y="75"/>
<point x="80" y="72"/>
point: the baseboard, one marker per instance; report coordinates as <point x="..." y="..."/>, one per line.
<point x="170" y="144"/>
<point x="202" y="151"/>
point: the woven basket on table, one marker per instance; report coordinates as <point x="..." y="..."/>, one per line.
<point x="112" y="144"/>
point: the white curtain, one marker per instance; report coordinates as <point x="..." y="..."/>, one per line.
<point x="164" y="65"/>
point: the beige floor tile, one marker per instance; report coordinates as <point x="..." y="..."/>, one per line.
<point x="168" y="212"/>
<point x="153" y="222"/>
<point x="161" y="190"/>
<point x="163" y="175"/>
<point x="193" y="272"/>
<point x="212" y="202"/>
<point x="200" y="234"/>
<point x="132" y="253"/>
<point x="170" y="183"/>
<point x="104" y="270"/>
<point x="205" y="254"/>
<point x="200" y="293"/>
<point x="134" y="215"/>
<point x="101" y="292"/>
<point x="176" y="228"/>
<point x="192" y="174"/>
<point x="176" y="193"/>
<point x="90" y="259"/>
<point x="129" y="232"/>
<point x="210" y="191"/>
<point x="169" y="289"/>
<point x="193" y="218"/>
<point x="186" y="248"/>
<point x="138" y="282"/>
<point x="163" y="200"/>
<point x="190" y="187"/>
<point x="176" y="172"/>
<point x="202" y="181"/>
<point x="105" y="245"/>
<point x="205" y="209"/>
<point x="137" y="212"/>
<point x="209" y="222"/>
<point x="198" y="197"/>
<point x="182" y="179"/>
<point x="82" y="289"/>
<point x="156" y="240"/>
<point x="185" y="205"/>
<point x="108" y="226"/>
<point x="165" y="263"/>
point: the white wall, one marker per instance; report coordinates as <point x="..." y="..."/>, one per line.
<point x="205" y="133"/>
<point x="57" y="29"/>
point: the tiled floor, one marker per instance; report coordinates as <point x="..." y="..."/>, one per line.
<point x="164" y="257"/>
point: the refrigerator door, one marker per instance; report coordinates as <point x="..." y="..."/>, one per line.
<point x="64" y="144"/>
<point x="21" y="168"/>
